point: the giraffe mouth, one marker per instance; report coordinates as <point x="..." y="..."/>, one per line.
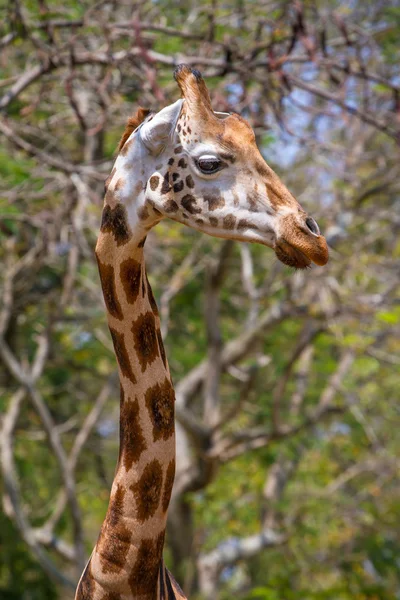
<point x="291" y="256"/>
<point x="300" y="242"/>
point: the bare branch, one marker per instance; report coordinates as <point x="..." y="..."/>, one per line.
<point x="366" y="117"/>
<point x="234" y="350"/>
<point x="214" y="340"/>
<point x="27" y="381"/>
<point x="234" y="445"/>
<point x="44" y="157"/>
<point x="79" y="442"/>
<point x="13" y="503"/>
<point x="230" y="552"/>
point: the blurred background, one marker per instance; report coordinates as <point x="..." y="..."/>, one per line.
<point x="287" y="393"/>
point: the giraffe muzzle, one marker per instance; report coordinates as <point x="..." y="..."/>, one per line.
<point x="300" y="242"/>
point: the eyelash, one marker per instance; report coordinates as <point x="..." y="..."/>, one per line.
<point x="215" y="160"/>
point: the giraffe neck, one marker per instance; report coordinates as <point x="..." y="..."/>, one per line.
<point x="128" y="553"/>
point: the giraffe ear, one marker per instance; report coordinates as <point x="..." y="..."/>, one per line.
<point x="193" y="88"/>
<point x="156" y="132"/>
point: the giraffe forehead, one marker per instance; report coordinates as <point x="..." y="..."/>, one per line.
<point x="205" y="148"/>
<point x="231" y="134"/>
<point x="237" y="134"/>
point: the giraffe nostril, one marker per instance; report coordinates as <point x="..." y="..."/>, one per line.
<point x="312" y="226"/>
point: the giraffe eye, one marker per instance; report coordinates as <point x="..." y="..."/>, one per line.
<point x="209" y="164"/>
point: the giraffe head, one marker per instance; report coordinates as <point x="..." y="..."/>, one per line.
<point x="204" y="169"/>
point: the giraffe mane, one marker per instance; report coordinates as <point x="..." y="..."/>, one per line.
<point x="133" y="122"/>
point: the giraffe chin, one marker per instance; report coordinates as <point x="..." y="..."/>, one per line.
<point x="291" y="256"/>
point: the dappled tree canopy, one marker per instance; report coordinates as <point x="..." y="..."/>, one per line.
<point x="286" y="382"/>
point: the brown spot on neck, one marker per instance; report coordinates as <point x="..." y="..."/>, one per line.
<point x="160" y="400"/>
<point x="115" y="221"/>
<point x="115" y="538"/>
<point x="147" y="491"/>
<point x="143" y="577"/>
<point x="130" y="274"/>
<point x="145" y="339"/>
<point x="132" y="441"/>
<point x="122" y="354"/>
<point x="107" y="278"/>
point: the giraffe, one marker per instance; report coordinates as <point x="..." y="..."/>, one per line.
<point x="202" y="169"/>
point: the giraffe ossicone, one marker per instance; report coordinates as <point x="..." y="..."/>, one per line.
<point x="202" y="169"/>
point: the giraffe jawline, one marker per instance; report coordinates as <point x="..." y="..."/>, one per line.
<point x="291" y="256"/>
